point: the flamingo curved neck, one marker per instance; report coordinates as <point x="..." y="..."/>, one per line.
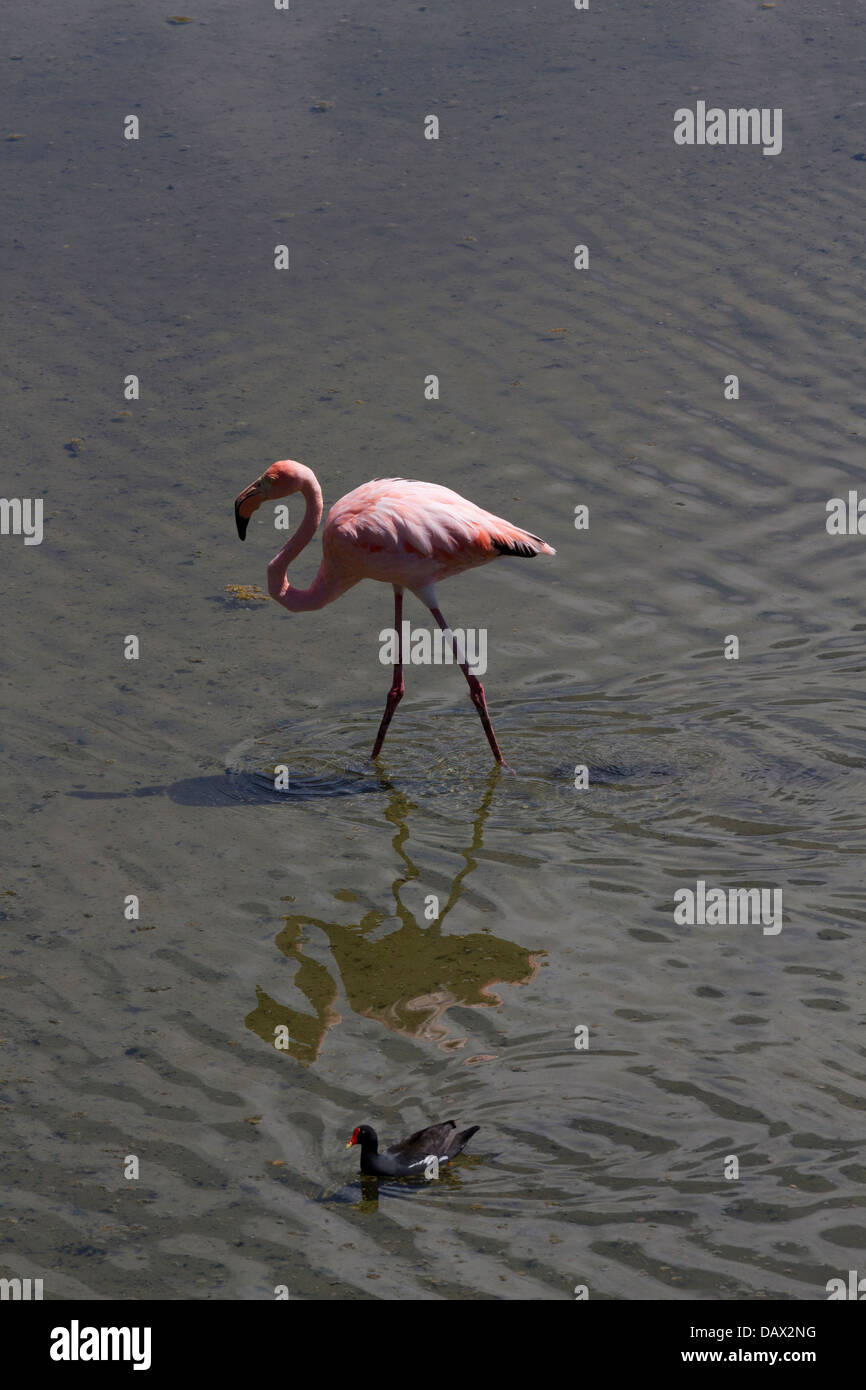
<point x="322" y="590"/>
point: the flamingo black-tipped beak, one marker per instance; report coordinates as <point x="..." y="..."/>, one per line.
<point x="245" y="504"/>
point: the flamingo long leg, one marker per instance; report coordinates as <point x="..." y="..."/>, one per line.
<point x="395" y="694"/>
<point x="476" y="691"/>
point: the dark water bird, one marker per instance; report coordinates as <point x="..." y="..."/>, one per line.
<point x="411" y="1157"/>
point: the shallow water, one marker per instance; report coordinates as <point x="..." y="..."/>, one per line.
<point x="310" y="909"/>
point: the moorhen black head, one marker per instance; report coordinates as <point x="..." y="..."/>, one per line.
<point x="412" y="1156"/>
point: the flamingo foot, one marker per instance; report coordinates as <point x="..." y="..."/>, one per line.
<point x="395" y="695"/>
<point x="476" y="694"/>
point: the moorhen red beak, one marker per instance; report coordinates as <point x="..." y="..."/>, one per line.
<point x="411" y="1157"/>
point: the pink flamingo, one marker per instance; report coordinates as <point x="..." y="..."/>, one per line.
<point x="407" y="534"/>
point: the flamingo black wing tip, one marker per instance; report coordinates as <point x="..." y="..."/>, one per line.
<point x="532" y="546"/>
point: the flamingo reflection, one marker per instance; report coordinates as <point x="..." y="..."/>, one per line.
<point x="406" y="978"/>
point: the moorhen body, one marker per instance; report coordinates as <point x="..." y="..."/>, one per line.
<point x="411" y="1156"/>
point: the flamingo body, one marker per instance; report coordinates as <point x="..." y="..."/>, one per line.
<point x="408" y="534"/>
<point x="415" y="534"/>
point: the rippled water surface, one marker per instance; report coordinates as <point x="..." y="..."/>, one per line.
<point x="427" y="935"/>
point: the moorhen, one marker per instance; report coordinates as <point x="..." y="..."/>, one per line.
<point x="410" y="1157"/>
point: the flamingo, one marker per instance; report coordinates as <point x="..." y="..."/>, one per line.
<point x="407" y="534"/>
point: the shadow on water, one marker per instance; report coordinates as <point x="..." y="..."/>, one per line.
<point x="251" y="789"/>
<point x="333" y="765"/>
<point x="230" y="788"/>
<point x="405" y="978"/>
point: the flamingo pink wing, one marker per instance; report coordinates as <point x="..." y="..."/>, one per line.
<point x="399" y="516"/>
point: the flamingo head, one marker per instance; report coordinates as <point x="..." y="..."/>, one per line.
<point x="280" y="480"/>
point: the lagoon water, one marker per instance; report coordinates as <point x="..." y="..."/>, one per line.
<point x="312" y="910"/>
